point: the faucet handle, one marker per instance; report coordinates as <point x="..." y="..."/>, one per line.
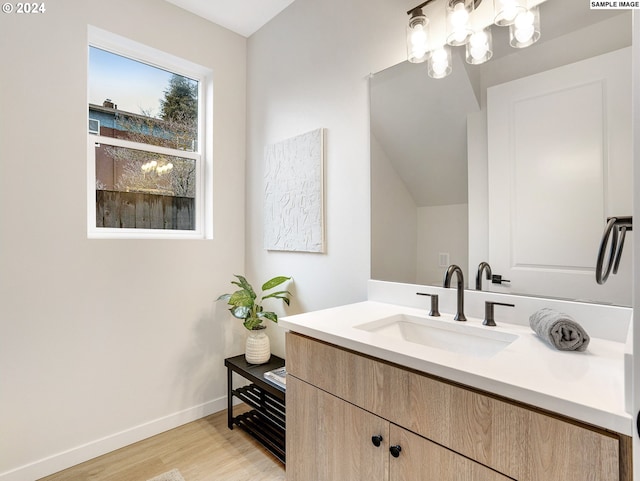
<point x="488" y="312"/>
<point x="497" y="279"/>
<point x="434" y="303"/>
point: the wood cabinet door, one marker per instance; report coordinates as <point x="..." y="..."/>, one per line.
<point x="422" y="460"/>
<point x="329" y="439"/>
<point x="524" y="444"/>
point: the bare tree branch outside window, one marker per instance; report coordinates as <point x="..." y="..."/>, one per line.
<point x="177" y="128"/>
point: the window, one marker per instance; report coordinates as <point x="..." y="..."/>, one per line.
<point x="148" y="169"/>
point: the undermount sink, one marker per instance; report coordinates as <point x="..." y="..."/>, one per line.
<point x="451" y="336"/>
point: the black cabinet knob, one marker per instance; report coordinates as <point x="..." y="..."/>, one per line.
<point x="376" y="440"/>
<point x="395" y="451"/>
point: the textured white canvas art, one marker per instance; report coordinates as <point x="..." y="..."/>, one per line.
<point x="293" y="194"/>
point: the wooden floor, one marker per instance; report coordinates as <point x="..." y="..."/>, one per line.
<point x="204" y="450"/>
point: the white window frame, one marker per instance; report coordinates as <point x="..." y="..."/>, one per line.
<point x="203" y="156"/>
<point x="95" y="131"/>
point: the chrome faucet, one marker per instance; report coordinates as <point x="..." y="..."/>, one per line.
<point x="454" y="269"/>
<point x="482" y="266"/>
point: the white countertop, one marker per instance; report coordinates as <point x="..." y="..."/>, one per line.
<point x="588" y="386"/>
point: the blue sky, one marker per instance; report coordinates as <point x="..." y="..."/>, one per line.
<point x="133" y="86"/>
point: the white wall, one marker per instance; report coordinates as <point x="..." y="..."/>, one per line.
<point x="442" y="229"/>
<point x="478" y="207"/>
<point x="406" y="240"/>
<point x="394" y="222"/>
<point x="104" y="342"/>
<point x="308" y="68"/>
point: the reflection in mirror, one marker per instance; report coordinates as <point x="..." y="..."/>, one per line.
<point x="487" y="164"/>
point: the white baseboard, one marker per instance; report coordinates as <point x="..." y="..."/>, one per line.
<point x="66" y="459"/>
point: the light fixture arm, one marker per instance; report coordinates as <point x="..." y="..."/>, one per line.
<point x="427" y="2"/>
<point x="418" y="7"/>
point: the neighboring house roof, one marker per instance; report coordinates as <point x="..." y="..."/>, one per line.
<point x="170" y="134"/>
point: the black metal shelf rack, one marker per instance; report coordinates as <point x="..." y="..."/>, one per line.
<point x="266" y="421"/>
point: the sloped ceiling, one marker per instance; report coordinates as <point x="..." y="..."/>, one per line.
<point x="421" y="125"/>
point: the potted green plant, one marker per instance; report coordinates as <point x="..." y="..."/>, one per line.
<point x="245" y="305"/>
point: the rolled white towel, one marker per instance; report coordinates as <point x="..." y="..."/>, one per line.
<point x="559" y="330"/>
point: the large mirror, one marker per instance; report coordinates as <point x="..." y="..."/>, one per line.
<point x="437" y="180"/>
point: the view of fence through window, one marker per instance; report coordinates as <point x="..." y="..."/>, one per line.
<point x="142" y="181"/>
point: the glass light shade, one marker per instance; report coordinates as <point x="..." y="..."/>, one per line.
<point x="479" y="47"/>
<point x="525" y="30"/>
<point x="418" y="37"/>
<point x="458" y="21"/>
<point x="439" y="65"/>
<point x="506" y="11"/>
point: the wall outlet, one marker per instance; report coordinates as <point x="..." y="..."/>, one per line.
<point x="443" y="259"/>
